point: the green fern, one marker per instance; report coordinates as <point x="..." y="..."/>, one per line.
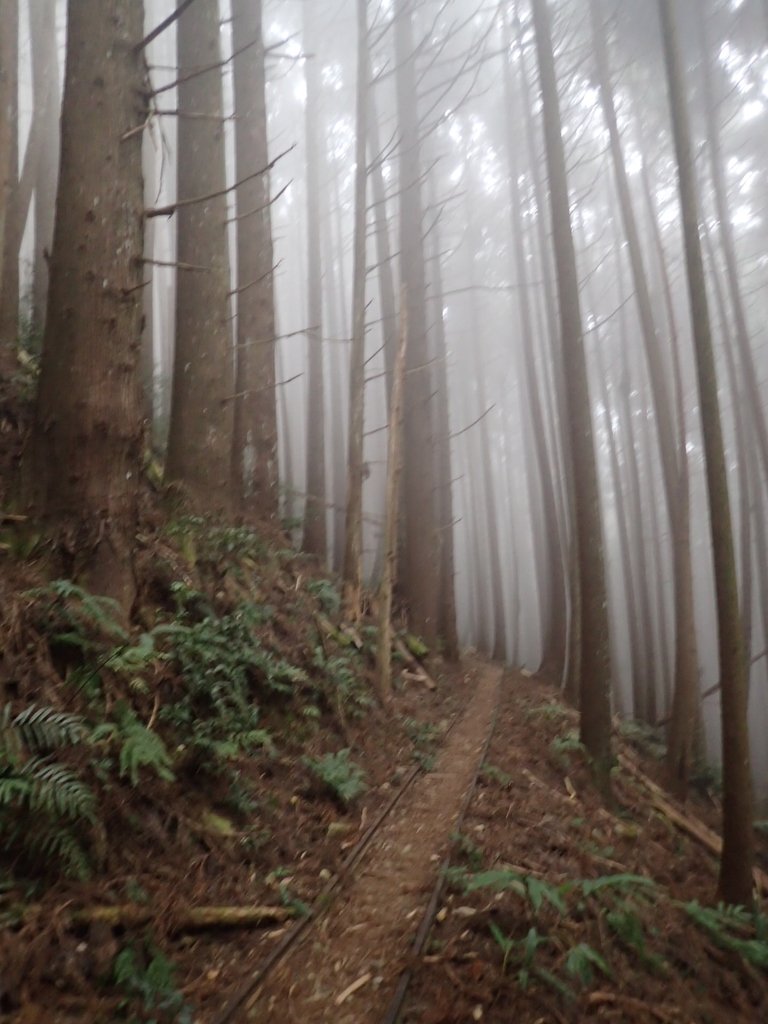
<point x="37" y="729"/>
<point x="140" y="747"/>
<point x="73" y="617"/>
<point x="343" y="777"/>
<point x="721" y="922"/>
<point x="582" y="961"/>
<point x="43" y="803"/>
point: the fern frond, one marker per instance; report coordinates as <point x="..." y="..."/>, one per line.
<point x="59" y="842"/>
<point x="143" y="748"/>
<point x="42" y="728"/>
<point x="57" y="791"/>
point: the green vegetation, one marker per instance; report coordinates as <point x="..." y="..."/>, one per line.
<point x="45" y="809"/>
<point x="343" y="778"/>
<point x="145" y="975"/>
<point x="619" y="899"/>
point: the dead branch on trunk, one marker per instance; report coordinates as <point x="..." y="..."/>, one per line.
<point x="171" y="208"/>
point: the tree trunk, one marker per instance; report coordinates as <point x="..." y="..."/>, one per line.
<point x="671" y="447"/>
<point x="595" y="661"/>
<point x="550" y="563"/>
<point x="418" y="569"/>
<point x="735" y="883"/>
<point x="749" y="375"/>
<point x="200" y="437"/>
<point x="45" y="86"/>
<point x="394" y="467"/>
<point x="255" y="426"/>
<point x="562" y="631"/>
<point x="9" y="172"/>
<point x="383" y="244"/>
<point x="353" y="534"/>
<point x="443" y="463"/>
<point x="87" y="438"/>
<point x="315" y="530"/>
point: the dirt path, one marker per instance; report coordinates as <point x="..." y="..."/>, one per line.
<point x="368" y="932"/>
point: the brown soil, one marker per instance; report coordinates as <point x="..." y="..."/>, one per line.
<point x="536" y="816"/>
<point x="366" y="934"/>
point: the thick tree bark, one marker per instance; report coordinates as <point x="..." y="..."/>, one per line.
<point x="255" y="427"/>
<point x="735" y="883"/>
<point x="87" y="439"/>
<point x="595" y="658"/>
<point x="353" y="534"/>
<point x="315" y="530"/>
<point x="200" y="437"/>
<point x="419" y="565"/>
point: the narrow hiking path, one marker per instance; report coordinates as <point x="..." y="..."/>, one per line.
<point x="367" y="933"/>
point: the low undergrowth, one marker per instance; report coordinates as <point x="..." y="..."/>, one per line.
<point x="184" y="759"/>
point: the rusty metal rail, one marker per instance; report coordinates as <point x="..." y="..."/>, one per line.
<point x="395" y="1007"/>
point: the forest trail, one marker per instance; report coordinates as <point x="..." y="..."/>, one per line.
<point x="368" y="932"/>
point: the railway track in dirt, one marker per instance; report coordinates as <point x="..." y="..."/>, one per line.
<point x="359" y="900"/>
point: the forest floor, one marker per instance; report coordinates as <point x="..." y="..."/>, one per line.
<point x="179" y="798"/>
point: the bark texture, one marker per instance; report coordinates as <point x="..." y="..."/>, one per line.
<point x="353" y="536"/>
<point x="595" y="658"/>
<point x="200" y="434"/>
<point x="735" y="883"/>
<point x="418" y="573"/>
<point x="315" y="529"/>
<point x="86" y="445"/>
<point x="255" y="426"/>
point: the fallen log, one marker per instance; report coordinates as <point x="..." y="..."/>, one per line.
<point x="131" y="915"/>
<point x="693" y="827"/>
<point x="416" y="672"/>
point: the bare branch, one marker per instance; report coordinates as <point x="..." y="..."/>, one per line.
<point x="163" y="26"/>
<point x="473" y="423"/>
<point x="167" y="211"/>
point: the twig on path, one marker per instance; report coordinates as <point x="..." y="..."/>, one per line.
<point x="351" y="989"/>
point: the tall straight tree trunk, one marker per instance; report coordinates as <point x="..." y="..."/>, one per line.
<point x="200" y="436"/>
<point x="394" y="469"/>
<point x="746" y="462"/>
<point x="315" y="530"/>
<point x="418" y="570"/>
<point x="147" y="361"/>
<point x="383" y="244"/>
<point x="550" y="565"/>
<point x="443" y="460"/>
<point x="353" y="534"/>
<point x="337" y="360"/>
<point x="671" y="447"/>
<point x="9" y="174"/>
<point x="87" y="437"/>
<point x="560" y="455"/>
<point x="45" y="87"/>
<point x="255" y="426"/>
<point x="595" y="700"/>
<point x="750" y="376"/>
<point x="735" y="883"/>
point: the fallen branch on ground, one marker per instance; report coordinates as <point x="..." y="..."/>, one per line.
<point x="417" y="671"/>
<point x="691" y="826"/>
<point x="192" y="919"/>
